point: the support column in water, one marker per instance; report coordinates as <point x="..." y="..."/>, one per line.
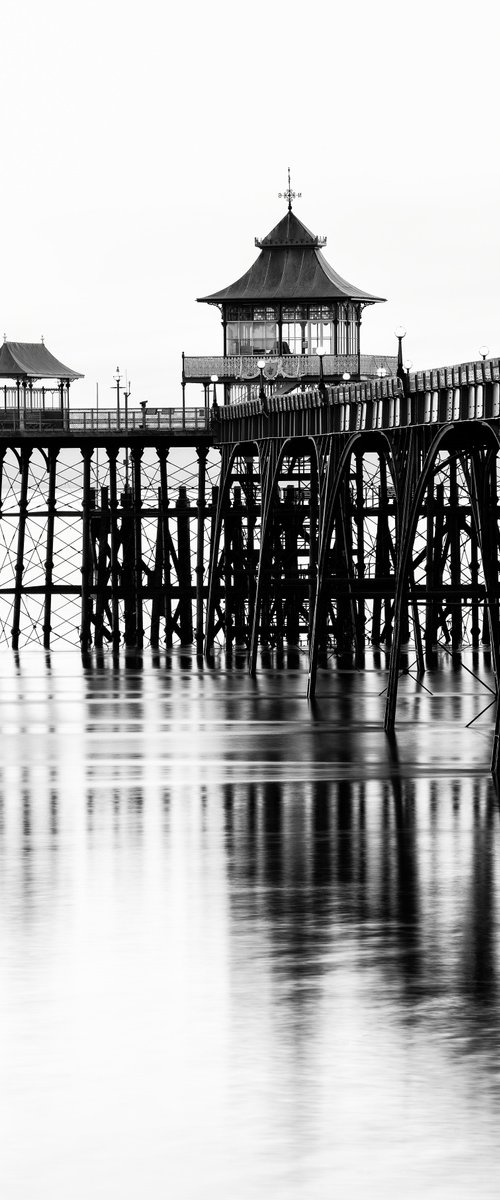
<point x="87" y="613"/>
<point x="23" y="504"/>
<point x="49" y="559"/>
<point x="184" y="569"/>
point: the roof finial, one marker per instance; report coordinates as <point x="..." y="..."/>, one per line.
<point x="289" y="195"/>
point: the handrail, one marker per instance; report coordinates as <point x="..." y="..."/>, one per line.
<point x="98" y="420"/>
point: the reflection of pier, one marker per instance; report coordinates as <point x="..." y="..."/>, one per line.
<point x="358" y="856"/>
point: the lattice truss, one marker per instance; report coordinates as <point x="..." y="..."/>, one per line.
<point x="361" y="552"/>
<point x="237" y="542"/>
<point x="359" y="572"/>
<point x="447" y="559"/>
<point x="291" y="559"/>
<point x="24" y="555"/>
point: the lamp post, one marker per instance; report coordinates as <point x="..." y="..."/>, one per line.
<point x="143" y="406"/>
<point x="261" y="362"/>
<point x="400" y="333"/>
<point x="126" y="395"/>
<point x="484" y="351"/>
<point x="322" y="385"/>
<point x="215" y="407"/>
<point x="346" y="376"/>
<point x="118" y="377"/>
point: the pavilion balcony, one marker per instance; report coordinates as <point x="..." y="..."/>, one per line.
<point x="241" y="369"/>
<point x="24" y="395"/>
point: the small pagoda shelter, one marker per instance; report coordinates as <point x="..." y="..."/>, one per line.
<point x="26" y="363"/>
<point x="292" y="314"/>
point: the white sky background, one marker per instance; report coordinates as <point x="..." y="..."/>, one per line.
<point x="144" y="146"/>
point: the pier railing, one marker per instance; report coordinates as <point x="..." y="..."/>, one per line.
<point x="102" y="421"/>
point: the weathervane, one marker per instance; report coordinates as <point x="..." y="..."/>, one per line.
<point x="289" y="195"/>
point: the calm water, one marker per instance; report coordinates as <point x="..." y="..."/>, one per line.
<point x="248" y="948"/>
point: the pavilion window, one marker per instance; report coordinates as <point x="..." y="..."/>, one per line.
<point x="341" y="331"/>
<point x="321" y="334"/>
<point x="252" y="337"/>
<point x="293" y="337"/>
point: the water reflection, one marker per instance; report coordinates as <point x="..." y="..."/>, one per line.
<point x="412" y="877"/>
<point x="245" y="950"/>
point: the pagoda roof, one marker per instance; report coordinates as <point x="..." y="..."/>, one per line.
<point x="290" y="267"/>
<point x="32" y="360"/>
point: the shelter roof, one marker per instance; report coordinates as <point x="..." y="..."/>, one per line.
<point x="290" y="267"/>
<point x="32" y="360"/>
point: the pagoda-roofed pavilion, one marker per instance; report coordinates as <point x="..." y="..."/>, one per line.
<point x="26" y="363"/>
<point x="291" y="301"/>
<point x="292" y="314"/>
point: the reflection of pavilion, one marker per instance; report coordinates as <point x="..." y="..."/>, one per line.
<point x="25" y="364"/>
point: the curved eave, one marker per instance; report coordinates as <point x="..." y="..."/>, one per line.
<point x="32" y="360"/>
<point x="290" y="274"/>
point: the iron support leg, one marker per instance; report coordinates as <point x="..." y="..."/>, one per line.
<point x="137" y="508"/>
<point x="85" y="637"/>
<point x="165" y="534"/>
<point x="114" y="544"/>
<point x="200" y="546"/>
<point x="49" y="561"/>
<point x="23" y="505"/>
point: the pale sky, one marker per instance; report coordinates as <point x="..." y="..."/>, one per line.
<point x="144" y="147"/>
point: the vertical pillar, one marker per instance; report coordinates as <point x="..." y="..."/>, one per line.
<point x="49" y="562"/>
<point x="165" y="535"/>
<point x="85" y="637"/>
<point x="313" y="544"/>
<point x="156" y="576"/>
<point x="184" y="569"/>
<point x="127" y="579"/>
<point x="290" y="517"/>
<point x="200" y="545"/>
<point x="239" y="569"/>
<point x="102" y="568"/>
<point x="213" y="599"/>
<point x="2" y="456"/>
<point x="382" y="630"/>
<point x="454" y="515"/>
<point x="412" y="472"/>
<point x="250" y="489"/>
<point x="228" y="574"/>
<point x="436" y="534"/>
<point x="360" y="548"/>
<point x="21" y="532"/>
<point x="114" y="544"/>
<point x="474" y="571"/>
<point x="137" y="509"/>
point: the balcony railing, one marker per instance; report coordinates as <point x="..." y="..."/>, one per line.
<point x="31" y="397"/>
<point x="288" y="367"/>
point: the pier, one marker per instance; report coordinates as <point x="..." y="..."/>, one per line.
<point x="319" y="497"/>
